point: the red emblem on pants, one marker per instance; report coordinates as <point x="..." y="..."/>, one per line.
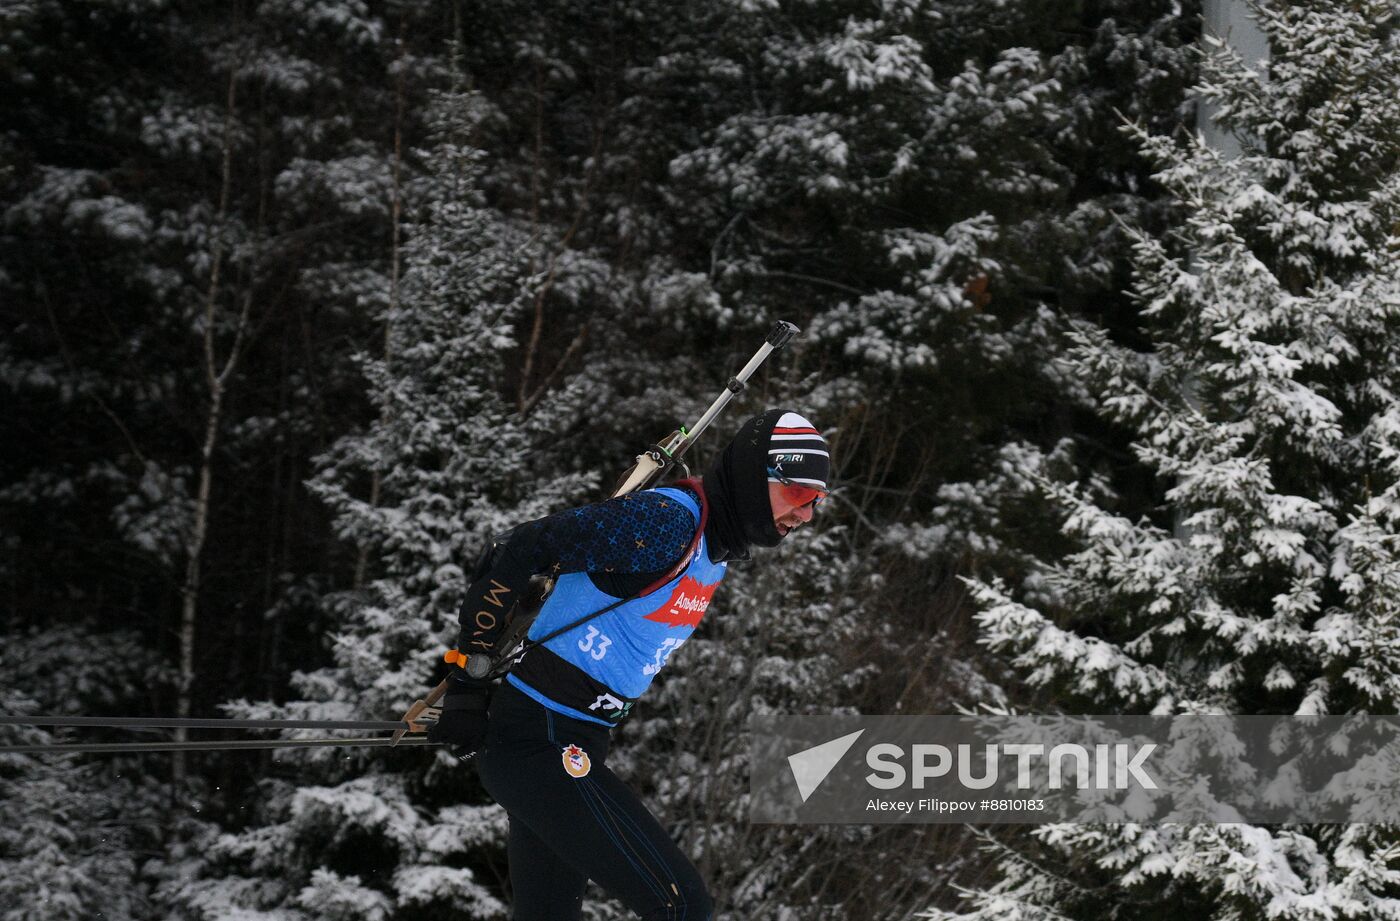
<point x="576" y="761"/>
<point x="686" y="605"/>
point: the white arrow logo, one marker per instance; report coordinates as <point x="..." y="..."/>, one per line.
<point x="810" y="767"/>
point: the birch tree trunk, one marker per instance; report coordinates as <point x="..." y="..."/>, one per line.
<point x="216" y="377"/>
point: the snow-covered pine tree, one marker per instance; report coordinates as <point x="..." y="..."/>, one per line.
<point x="73" y="828"/>
<point x="177" y="175"/>
<point x="860" y="168"/>
<point x="64" y="851"/>
<point x="386" y="837"/>
<point x="920" y="184"/>
<point x="186" y="190"/>
<point x="1265" y="581"/>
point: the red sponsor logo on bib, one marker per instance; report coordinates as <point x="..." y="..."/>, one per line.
<point x="686" y="605"/>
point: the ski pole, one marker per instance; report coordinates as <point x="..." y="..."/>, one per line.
<point x="239" y="744"/>
<point x="160" y="722"/>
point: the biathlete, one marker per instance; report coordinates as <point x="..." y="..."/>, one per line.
<point x="543" y="746"/>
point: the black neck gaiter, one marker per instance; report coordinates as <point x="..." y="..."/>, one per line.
<point x="737" y="487"/>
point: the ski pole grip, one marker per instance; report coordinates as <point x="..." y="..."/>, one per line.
<point x="781" y="334"/>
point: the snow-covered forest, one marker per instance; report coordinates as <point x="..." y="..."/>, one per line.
<point x="302" y="300"/>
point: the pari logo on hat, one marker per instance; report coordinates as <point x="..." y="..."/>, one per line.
<point x="797" y="453"/>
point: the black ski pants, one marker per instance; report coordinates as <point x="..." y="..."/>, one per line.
<point x="572" y="820"/>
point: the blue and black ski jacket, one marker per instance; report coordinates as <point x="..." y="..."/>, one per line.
<point x="649" y="544"/>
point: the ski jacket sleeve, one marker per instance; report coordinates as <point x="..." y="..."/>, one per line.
<point x="641" y="532"/>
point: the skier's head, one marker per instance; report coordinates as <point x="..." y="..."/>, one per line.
<point x="770" y="478"/>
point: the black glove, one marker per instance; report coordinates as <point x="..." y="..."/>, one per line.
<point x="463" y="721"/>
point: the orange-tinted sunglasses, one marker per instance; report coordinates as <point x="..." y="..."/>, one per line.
<point x="798" y="494"/>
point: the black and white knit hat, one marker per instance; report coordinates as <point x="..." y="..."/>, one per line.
<point x="798" y="453"/>
<point x="741" y="514"/>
